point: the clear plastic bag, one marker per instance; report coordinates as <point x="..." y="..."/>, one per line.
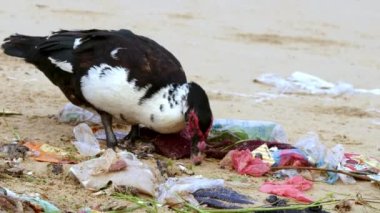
<point x="319" y="155"/>
<point x="333" y="160"/>
<point x="86" y="143"/>
<point x="74" y="114"/>
<point x="314" y="149"/>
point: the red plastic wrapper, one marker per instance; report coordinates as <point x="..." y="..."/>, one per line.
<point x="290" y="157"/>
<point x="244" y="163"/>
<point x="291" y="188"/>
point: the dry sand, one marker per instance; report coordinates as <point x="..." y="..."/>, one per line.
<point x="223" y="45"/>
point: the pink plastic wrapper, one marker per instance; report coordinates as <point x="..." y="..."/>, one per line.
<point x="244" y="163"/>
<point x="291" y="188"/>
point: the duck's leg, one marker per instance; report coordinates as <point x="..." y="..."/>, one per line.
<point x="133" y="134"/>
<point x="107" y="123"/>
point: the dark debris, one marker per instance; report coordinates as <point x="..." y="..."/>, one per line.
<point x="14" y="151"/>
<point x="222" y="198"/>
<point x="274" y="201"/>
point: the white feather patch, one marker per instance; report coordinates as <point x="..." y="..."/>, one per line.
<point x="63" y="65"/>
<point x="107" y="88"/>
<point x="114" y="52"/>
<point x="77" y="42"/>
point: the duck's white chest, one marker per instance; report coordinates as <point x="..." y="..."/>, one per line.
<point x="107" y="89"/>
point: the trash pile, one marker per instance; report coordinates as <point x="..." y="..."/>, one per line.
<point x="252" y="148"/>
<point x="307" y="154"/>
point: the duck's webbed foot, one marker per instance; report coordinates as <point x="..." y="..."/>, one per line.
<point x="130" y="139"/>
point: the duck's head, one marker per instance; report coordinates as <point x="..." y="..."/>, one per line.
<point x="198" y="121"/>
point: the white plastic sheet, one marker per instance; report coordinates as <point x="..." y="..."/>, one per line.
<point x="303" y="83"/>
<point x="96" y="173"/>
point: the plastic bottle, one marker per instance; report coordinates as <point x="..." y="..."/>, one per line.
<point x="256" y="130"/>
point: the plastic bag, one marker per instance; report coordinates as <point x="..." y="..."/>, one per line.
<point x="303" y="83"/>
<point x="74" y="114"/>
<point x="314" y="149"/>
<point x="319" y="155"/>
<point x="175" y="190"/>
<point x="122" y="169"/>
<point x="44" y="205"/>
<point x="287" y="173"/>
<point x="244" y="163"/>
<point x="290" y="157"/>
<point x="333" y="160"/>
<point x="254" y="130"/>
<point x="291" y="188"/>
<point x="86" y="143"/>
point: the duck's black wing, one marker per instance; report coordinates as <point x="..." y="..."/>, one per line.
<point x="65" y="56"/>
<point x="149" y="63"/>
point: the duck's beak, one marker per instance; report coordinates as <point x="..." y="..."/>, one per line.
<point x="198" y="148"/>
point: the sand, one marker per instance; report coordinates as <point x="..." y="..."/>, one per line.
<point x="224" y="46"/>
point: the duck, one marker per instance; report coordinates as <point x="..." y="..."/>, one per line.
<point x="121" y="76"/>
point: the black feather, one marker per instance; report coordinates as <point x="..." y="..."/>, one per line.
<point x="20" y="45"/>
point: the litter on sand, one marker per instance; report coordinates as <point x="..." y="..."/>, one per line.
<point x="264" y="154"/>
<point x="85" y="141"/>
<point x="122" y="169"/>
<point x="176" y="190"/>
<point x="303" y="83"/>
<point x="332" y="163"/>
<point x="292" y="188"/>
<point x="226" y="135"/>
<point x="249" y="129"/>
<point x="13" y="151"/>
<point x="71" y="113"/>
<point x="12" y="202"/>
<point x="100" y="134"/>
<point x="252" y="148"/>
<point x="47" y="153"/>
<point x="244" y="163"/>
<point x="358" y="163"/>
<point x="6" y="112"/>
<point x="221" y="198"/>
